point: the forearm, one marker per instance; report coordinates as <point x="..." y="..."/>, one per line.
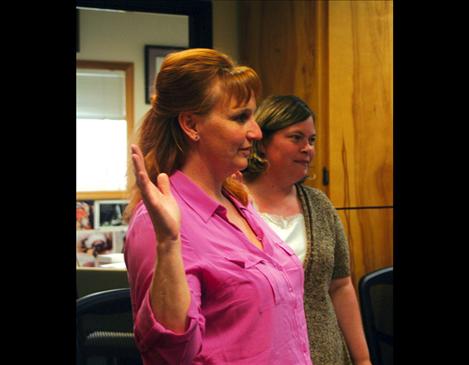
<point x="170" y="295"/>
<point x="348" y="315"/>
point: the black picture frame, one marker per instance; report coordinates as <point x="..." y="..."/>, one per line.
<point x="77" y="31"/>
<point x="108" y="214"/>
<point x="153" y="57"/>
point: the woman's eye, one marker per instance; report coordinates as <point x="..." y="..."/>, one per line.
<point x="296" y="137"/>
<point x="312" y="141"/>
<point x="241" y="118"/>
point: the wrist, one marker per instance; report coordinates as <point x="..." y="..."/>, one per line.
<point x="168" y="246"/>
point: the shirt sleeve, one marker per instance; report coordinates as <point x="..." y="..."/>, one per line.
<point x="156" y="343"/>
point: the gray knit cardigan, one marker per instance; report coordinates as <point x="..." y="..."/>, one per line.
<point x="327" y="257"/>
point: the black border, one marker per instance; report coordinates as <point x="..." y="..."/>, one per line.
<point x="78" y="31"/>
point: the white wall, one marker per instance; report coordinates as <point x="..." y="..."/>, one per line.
<point x="117" y="36"/>
<point x="121" y="37"/>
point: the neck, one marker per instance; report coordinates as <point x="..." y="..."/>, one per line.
<point x="204" y="177"/>
<point x="272" y="196"/>
<point x="264" y="187"/>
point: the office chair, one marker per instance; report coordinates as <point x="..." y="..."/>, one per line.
<point x="105" y="329"/>
<point x="375" y="291"/>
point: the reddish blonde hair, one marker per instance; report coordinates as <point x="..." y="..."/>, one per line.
<point x="185" y="83"/>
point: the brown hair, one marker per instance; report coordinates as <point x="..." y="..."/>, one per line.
<point x="186" y="82"/>
<point x="274" y="113"/>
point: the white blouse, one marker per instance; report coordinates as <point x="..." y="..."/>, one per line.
<point x="290" y="229"/>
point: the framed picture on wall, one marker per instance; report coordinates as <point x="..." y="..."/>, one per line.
<point x="85" y="214"/>
<point x="90" y="244"/>
<point x="108" y="214"/>
<point x="154" y="56"/>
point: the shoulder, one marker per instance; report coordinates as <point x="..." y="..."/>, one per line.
<point x="315" y="197"/>
<point x="140" y="212"/>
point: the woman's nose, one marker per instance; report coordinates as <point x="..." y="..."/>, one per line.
<point x="254" y="131"/>
<point x="308" y="148"/>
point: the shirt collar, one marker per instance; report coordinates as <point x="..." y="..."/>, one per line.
<point x="194" y="196"/>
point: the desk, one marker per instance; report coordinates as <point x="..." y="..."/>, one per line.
<point x="93" y="279"/>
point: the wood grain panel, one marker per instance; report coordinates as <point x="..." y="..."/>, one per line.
<point x="360" y="103"/>
<point x="285" y="42"/>
<point x="370" y="236"/>
<point x="337" y="56"/>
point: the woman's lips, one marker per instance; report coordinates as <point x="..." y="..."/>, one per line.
<point x="245" y="151"/>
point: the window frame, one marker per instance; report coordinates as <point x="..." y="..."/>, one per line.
<point x="128" y="68"/>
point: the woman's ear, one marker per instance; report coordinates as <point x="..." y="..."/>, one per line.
<point x="188" y="124"/>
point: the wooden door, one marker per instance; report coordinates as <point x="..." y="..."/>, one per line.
<point x="337" y="56"/>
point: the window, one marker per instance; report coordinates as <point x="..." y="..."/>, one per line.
<point x="104" y="122"/>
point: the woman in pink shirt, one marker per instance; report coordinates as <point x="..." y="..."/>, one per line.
<point x="211" y="283"/>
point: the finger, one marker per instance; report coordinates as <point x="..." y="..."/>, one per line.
<point x="138" y="164"/>
<point x="141" y="175"/>
<point x="238" y="176"/>
<point x="137" y="159"/>
<point x="135" y="150"/>
<point x="163" y="183"/>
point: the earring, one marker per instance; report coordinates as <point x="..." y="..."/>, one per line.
<point x="196" y="137"/>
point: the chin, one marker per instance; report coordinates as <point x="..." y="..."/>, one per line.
<point x="300" y="177"/>
<point x="241" y="164"/>
<point x="302" y="180"/>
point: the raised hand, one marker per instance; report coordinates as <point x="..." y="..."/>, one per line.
<point x="160" y="203"/>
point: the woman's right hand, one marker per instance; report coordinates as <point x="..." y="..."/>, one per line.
<point x="169" y="291"/>
<point x="158" y="199"/>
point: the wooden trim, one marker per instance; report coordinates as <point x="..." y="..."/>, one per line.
<point x="129" y="105"/>
<point x="320" y="102"/>
<point x="128" y="68"/>
<point x="104" y="65"/>
<point x="102" y="195"/>
<point x="367" y="207"/>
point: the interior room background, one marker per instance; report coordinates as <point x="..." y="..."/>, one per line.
<point x="336" y="55"/>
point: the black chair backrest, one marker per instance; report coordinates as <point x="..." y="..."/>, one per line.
<point x="105" y="328"/>
<point x="375" y="291"/>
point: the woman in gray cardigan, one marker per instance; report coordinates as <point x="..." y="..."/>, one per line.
<point x="306" y="220"/>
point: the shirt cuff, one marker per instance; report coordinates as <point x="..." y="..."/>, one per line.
<point x="151" y="335"/>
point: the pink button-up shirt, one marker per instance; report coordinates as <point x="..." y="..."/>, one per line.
<point x="246" y="304"/>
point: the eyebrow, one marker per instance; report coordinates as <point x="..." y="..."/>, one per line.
<point x="300" y="132"/>
<point x="242" y="109"/>
<point x="239" y="111"/>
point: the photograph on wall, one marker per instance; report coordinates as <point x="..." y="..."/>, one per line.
<point x="85" y="214"/>
<point x="90" y="244"/>
<point x="118" y="239"/>
<point x="108" y="214"/>
<point x="154" y="57"/>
